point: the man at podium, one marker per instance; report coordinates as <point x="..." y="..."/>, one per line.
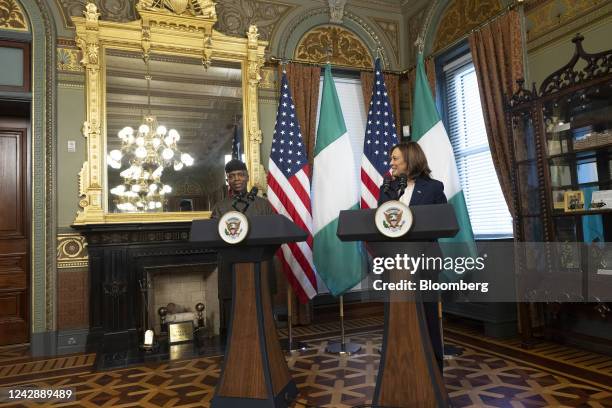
<point x="238" y="199"/>
<point x="410" y="183"/>
<point x="249" y="204"/>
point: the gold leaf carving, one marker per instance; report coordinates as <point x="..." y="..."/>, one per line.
<point x="12" y="16"/>
<point x="346" y="48"/>
<point x="71" y="251"/>
<point x="461" y="16"/>
<point x="267" y="79"/>
<point x="202" y="8"/>
<point x="68" y="59"/>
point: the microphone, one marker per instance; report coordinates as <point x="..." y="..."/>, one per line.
<point x="252" y="194"/>
<point x="403" y="183"/>
<point x="386" y="184"/>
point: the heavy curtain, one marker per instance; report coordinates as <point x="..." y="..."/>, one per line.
<point x="497" y="53"/>
<point x="410" y="78"/>
<point x="304" y="85"/>
<point x="392" y="82"/>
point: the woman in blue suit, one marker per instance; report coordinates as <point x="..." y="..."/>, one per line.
<point x="409" y="167"/>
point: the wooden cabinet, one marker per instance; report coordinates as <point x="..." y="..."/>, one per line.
<point x="562" y="146"/>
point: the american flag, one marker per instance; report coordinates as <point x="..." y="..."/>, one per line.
<point x="236" y="153"/>
<point x="289" y="194"/>
<point x="380" y="136"/>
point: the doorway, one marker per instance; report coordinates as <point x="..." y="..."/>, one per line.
<point x="15" y="222"/>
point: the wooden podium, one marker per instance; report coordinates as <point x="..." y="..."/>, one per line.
<point x="255" y="373"/>
<point x="408" y="375"/>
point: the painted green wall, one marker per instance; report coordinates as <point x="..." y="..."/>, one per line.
<point x="70" y="118"/>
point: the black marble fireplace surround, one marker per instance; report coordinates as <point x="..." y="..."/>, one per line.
<point x="119" y="255"/>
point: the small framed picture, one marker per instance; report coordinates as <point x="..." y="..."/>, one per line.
<point x="558" y="199"/>
<point x="573" y="201"/>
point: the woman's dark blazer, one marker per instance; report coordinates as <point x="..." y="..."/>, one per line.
<point x="426" y="191"/>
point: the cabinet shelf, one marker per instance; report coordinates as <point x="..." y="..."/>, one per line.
<point x="580" y="213"/>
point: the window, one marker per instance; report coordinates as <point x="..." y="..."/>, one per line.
<point x="486" y="205"/>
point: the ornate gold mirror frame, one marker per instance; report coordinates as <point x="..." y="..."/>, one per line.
<point x="164" y="31"/>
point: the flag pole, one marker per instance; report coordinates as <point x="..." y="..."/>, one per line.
<point x="342" y="347"/>
<point x="448" y="350"/>
<point x="288" y="344"/>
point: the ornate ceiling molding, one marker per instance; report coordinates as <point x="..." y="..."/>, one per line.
<point x="460" y="17"/>
<point x="12" y="16"/>
<point x="391" y="29"/>
<point x="347" y="49"/>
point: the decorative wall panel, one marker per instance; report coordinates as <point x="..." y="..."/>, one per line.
<point x="112" y="10"/>
<point x="235" y="17"/>
<point x="71" y="251"/>
<point x="346" y="48"/>
<point x="461" y="16"/>
<point x="12" y="16"/>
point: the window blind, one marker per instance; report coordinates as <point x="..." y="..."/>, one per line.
<point x="486" y="205"/>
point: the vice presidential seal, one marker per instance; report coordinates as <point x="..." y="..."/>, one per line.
<point x="233" y="227"/>
<point x="393" y="219"/>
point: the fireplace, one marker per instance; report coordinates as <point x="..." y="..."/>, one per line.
<point x="121" y="258"/>
<point x="179" y="289"/>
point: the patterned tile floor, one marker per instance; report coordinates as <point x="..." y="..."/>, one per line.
<point x="486" y="375"/>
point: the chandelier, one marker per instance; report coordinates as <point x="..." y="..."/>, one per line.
<point x="145" y="154"/>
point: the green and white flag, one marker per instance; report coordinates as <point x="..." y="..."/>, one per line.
<point x="429" y="132"/>
<point x="338" y="263"/>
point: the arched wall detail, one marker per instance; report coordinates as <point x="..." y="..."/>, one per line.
<point x="295" y="25"/>
<point x="346" y="48"/>
<point x="12" y="16"/>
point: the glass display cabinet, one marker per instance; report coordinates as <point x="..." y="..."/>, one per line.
<point x="562" y="147"/>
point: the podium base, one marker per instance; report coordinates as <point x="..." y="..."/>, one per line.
<point x="295" y="345"/>
<point x="451" y="351"/>
<point x="339" y="348"/>
<point x="284" y="399"/>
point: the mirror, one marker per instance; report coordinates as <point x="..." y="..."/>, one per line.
<point x="201" y="92"/>
<point x="169" y="137"/>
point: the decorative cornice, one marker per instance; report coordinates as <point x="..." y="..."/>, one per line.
<point x="347" y="49"/>
<point x="12" y="16"/>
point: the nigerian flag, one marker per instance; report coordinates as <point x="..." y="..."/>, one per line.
<point x="334" y="189"/>
<point x="429" y="132"/>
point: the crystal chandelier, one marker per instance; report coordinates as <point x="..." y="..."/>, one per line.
<point x="146" y="153"/>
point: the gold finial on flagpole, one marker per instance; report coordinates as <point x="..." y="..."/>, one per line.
<point x="328" y="54"/>
<point x="420" y="44"/>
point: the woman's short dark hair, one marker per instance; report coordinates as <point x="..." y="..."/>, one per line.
<point x="415" y="159"/>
